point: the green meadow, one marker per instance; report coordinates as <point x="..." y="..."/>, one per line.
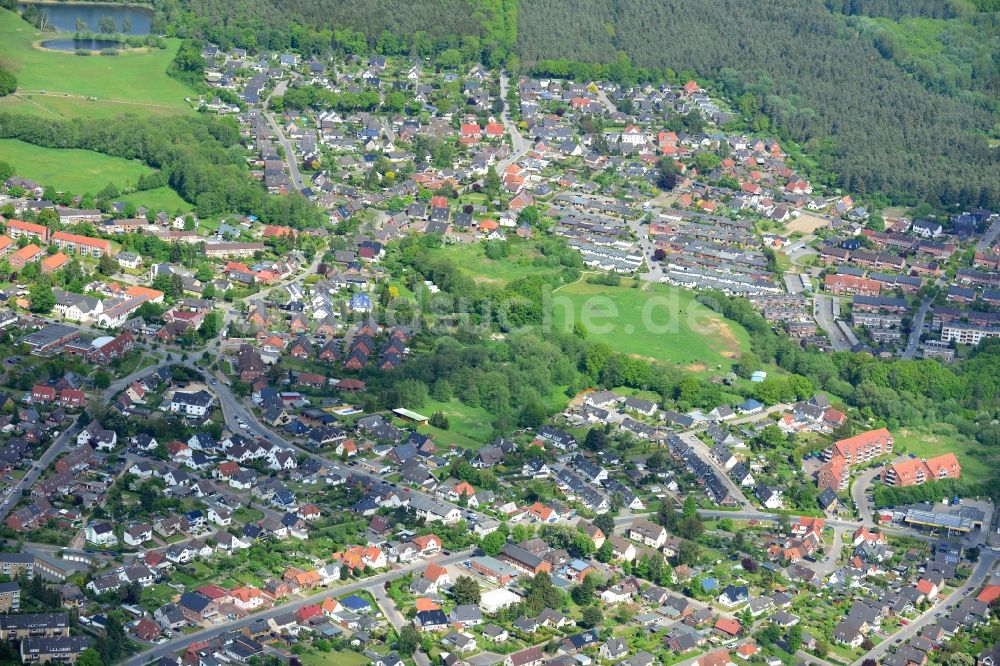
<point x="651" y="321"/>
<point x="61" y="83"/>
<point x="77" y="171"/>
<point x="160" y="198"/>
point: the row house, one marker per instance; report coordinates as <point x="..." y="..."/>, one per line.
<point x="94" y="247"/>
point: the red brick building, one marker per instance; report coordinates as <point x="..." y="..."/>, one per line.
<point x="850" y="284"/>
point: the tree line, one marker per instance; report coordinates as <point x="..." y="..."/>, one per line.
<point x="481" y="30"/>
<point x="202" y="158"/>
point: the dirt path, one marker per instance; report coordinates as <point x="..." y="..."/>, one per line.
<point x="31" y="101"/>
<point x="85" y="98"/>
<point x="580" y="279"/>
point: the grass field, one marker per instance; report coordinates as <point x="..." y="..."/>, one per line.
<point x="652" y="321"/>
<point x="78" y="171"/>
<point x="161" y="198"/>
<point x="469" y="427"/>
<point x="133" y="81"/>
<point x="978" y="462"/>
<point x="520" y="262"/>
<point x="345" y="658"/>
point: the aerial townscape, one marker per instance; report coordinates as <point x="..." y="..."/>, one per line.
<point x="500" y="333"/>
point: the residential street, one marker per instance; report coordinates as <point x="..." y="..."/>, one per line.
<point x="520" y="145"/>
<point x="984" y="570"/>
<point x="396" y="619"/>
<point x="917" y="328"/>
<point x="292" y="164"/>
<point x="704" y="452"/>
<point x="829" y="563"/>
<point x="42" y="464"/>
<point x="181" y="642"/>
<point x="234" y="410"/>
<point x="823" y="312"/>
<point x="859" y="488"/>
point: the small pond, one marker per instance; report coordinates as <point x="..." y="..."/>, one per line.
<point x="62" y="16"/>
<point x="85" y="44"/>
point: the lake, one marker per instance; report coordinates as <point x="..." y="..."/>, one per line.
<point x="62" y="16"/>
<point x="85" y="44"/>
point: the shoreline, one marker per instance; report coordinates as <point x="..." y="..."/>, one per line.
<point x="125" y="48"/>
<point x="58" y="3"/>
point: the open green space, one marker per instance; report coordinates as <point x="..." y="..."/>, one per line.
<point x="344" y="658"/>
<point x="520" y="262"/>
<point x="160" y="198"/>
<point x="132" y="81"/>
<point x="78" y="171"/>
<point x="468" y="427"/>
<point x="651" y="321"/>
<point x="978" y="462"/>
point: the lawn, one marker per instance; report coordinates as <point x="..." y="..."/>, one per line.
<point x="89" y="172"/>
<point x="161" y="198"/>
<point x="653" y="321"/>
<point x="977" y="461"/>
<point x="345" y="658"/>
<point x="131" y="81"/>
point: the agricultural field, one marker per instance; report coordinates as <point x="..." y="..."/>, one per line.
<point x="90" y="171"/>
<point x="652" y="321"/>
<point x="978" y="462"/>
<point x="62" y="83"/>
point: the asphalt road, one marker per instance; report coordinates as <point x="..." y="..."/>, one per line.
<point x="983" y="571"/>
<point x="823" y="313"/>
<point x="603" y="98"/>
<point x="986" y="242"/>
<point x="47" y="458"/>
<point x="234" y="410"/>
<point x="917" y="328"/>
<point x="858" y="494"/>
<point x="703" y="451"/>
<point x="182" y="642"/>
<point x="396" y="619"/>
<point x="828" y="564"/>
<point x="520" y="146"/>
<point x="290" y="161"/>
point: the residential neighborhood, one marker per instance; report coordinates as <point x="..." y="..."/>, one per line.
<point x="397" y="437"/>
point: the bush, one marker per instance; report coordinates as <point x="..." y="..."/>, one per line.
<point x="606" y="279"/>
<point x="8" y="82"/>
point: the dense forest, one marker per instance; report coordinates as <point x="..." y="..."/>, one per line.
<point x="818" y="80"/>
<point x="482" y="29"/>
<point x="201" y="157"/>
